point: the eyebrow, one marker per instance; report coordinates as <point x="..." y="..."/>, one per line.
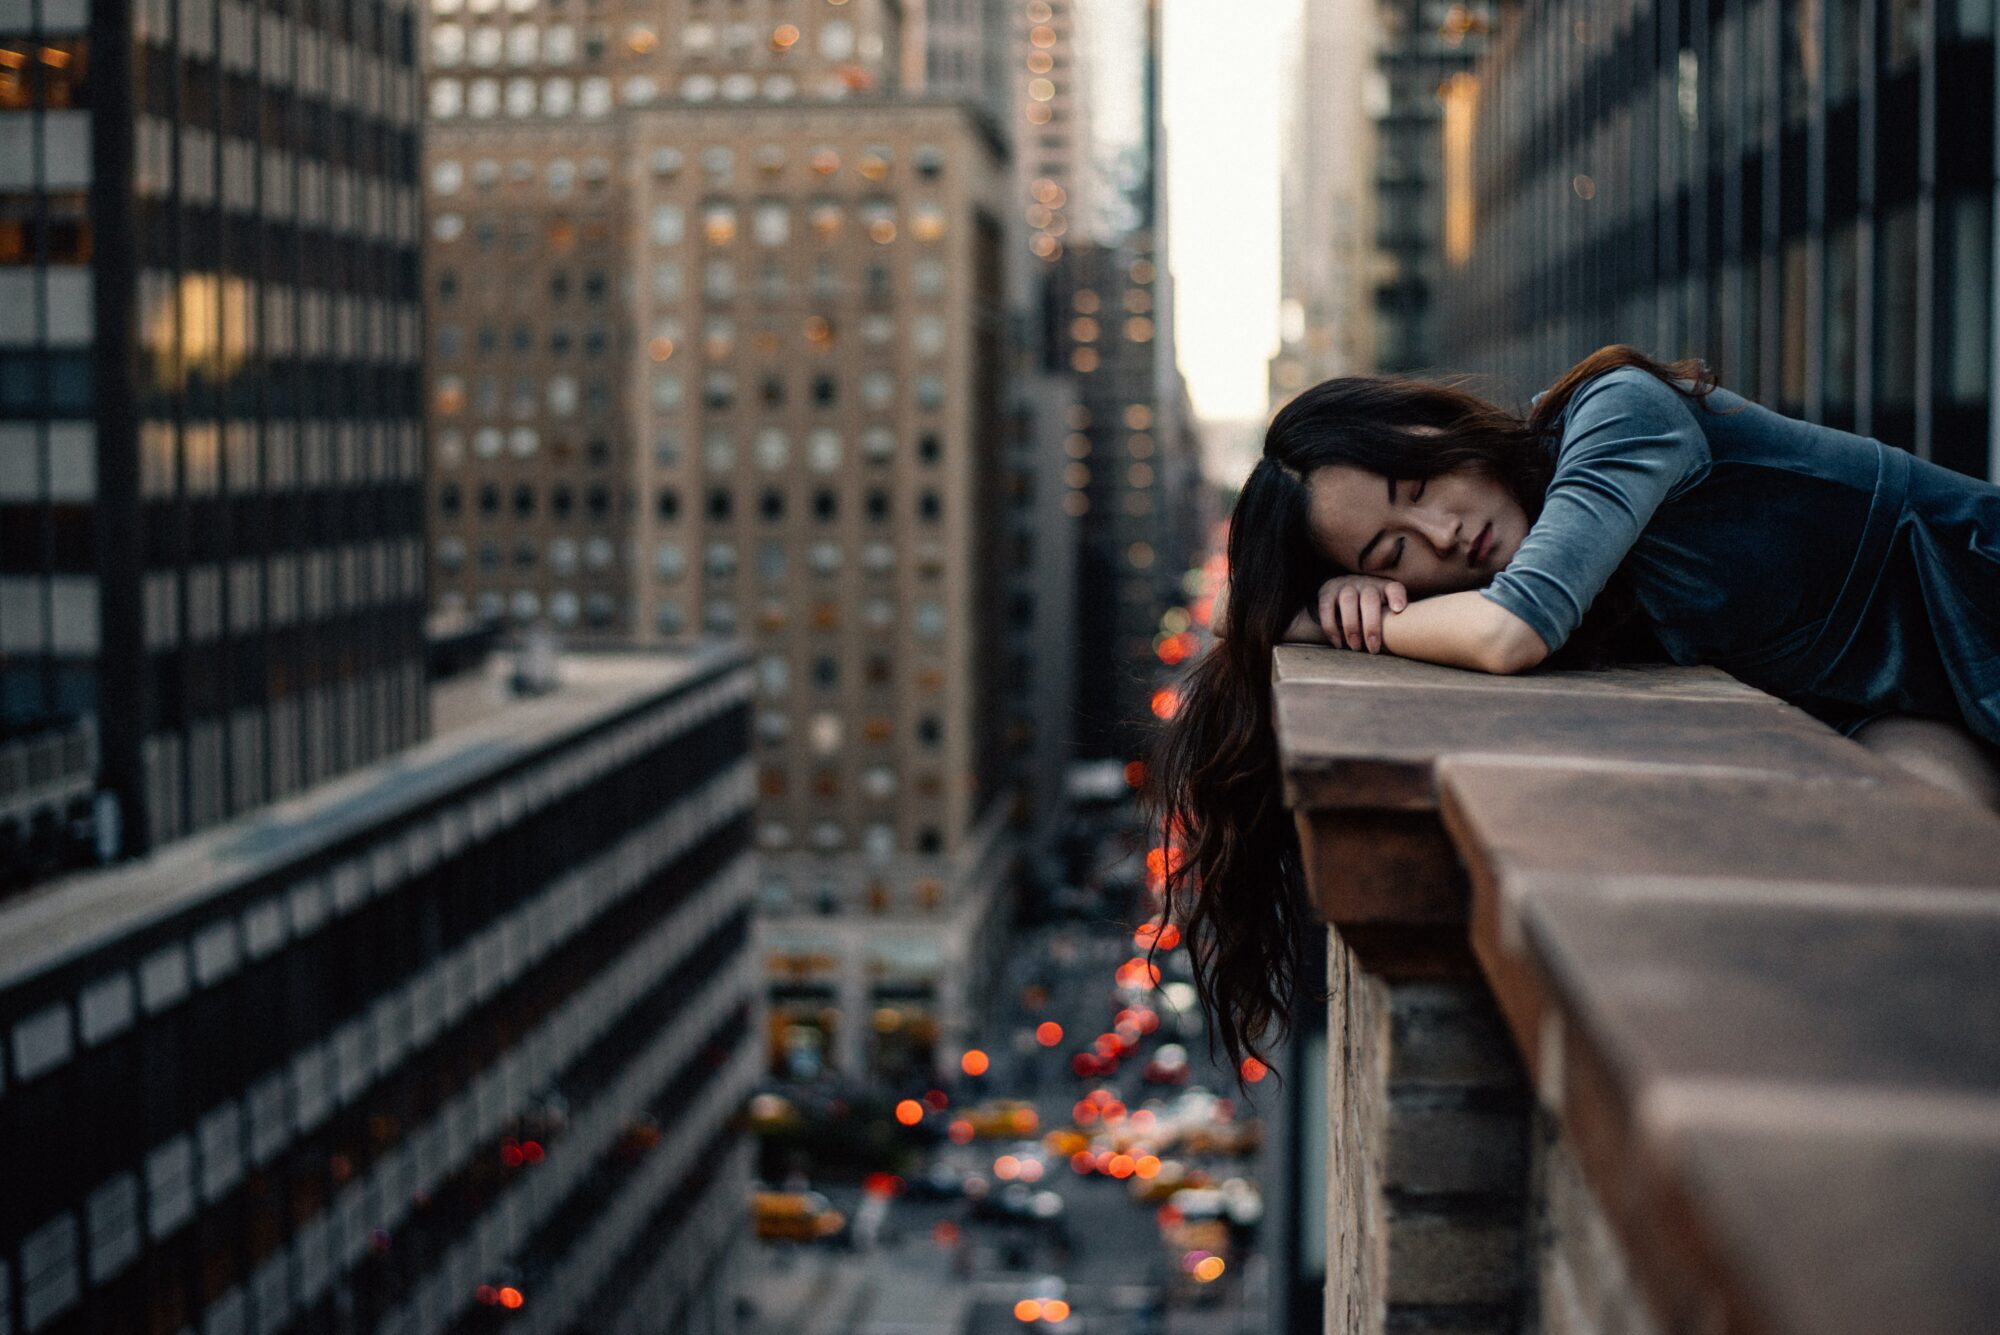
<point x="1361" y="561"/>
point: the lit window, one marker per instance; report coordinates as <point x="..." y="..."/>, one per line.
<point x="877" y="329"/>
<point x="447" y="98"/>
<point x="562" y="395"/>
<point x="562" y="556"/>
<point x="448" y="397"/>
<point x="773" y="448"/>
<point x="640" y="91"/>
<point x="698" y="87"/>
<point x="594" y="97"/>
<point x="827" y="732"/>
<point x="718" y="280"/>
<point x="559" y="45"/>
<point x="780" y="87"/>
<point x="667" y="162"/>
<point x="667" y="391"/>
<point x="447" y="44"/>
<point x="483" y="98"/>
<point x="927" y="222"/>
<point x="836" y="39"/>
<point x="597" y="553"/>
<point x="878" y="389"/>
<point x="526" y="605"/>
<point x="669" y="224"/>
<point x="523" y="42"/>
<point x="739" y="87"/>
<point x="563" y="608"/>
<point x="447" y="176"/>
<point x="929" y="620"/>
<point x="667" y="281"/>
<point x="448" y="226"/>
<point x="927" y="276"/>
<point x="824" y="217"/>
<point x="772" y="224"/>
<point x="930" y="391"/>
<point x="451" y="554"/>
<point x="874" y="162"/>
<point x="718" y="223"/>
<point x="771" y="834"/>
<point x="698" y="38"/>
<point x="824" y="557"/>
<point x="927" y="335"/>
<point x="485" y="47"/>
<point x="718" y="452"/>
<point x="641" y="39"/>
<point x="878" y="557"/>
<point x="823" y="450"/>
<point x="520" y="97"/>
<point x="523" y="441"/>
<point x="878" y="613"/>
<point x="558" y="96"/>
<point x="774" y="674"/>
<point x="878" y="443"/>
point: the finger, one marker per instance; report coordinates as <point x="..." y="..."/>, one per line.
<point x="1371" y="620"/>
<point x="1350" y="616"/>
<point x="1399" y="597"/>
<point x="1329" y="619"/>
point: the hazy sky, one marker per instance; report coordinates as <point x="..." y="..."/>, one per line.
<point x="1221" y="88"/>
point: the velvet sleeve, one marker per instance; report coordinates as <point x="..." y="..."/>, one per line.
<point x="1630" y="443"/>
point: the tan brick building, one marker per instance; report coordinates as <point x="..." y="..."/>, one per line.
<point x="715" y="314"/>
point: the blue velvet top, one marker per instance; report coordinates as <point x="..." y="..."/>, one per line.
<point x="1848" y="577"/>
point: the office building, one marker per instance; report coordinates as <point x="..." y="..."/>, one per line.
<point x="1801" y="194"/>
<point x="1327" y="266"/>
<point x="718" y="324"/>
<point x="455" y="1040"/>
<point x="210" y="451"/>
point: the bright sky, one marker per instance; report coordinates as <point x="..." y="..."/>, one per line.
<point x="1221" y="88"/>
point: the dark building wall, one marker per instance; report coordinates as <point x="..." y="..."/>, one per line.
<point x="212" y="465"/>
<point x="483" y="1018"/>
<point x="1799" y="193"/>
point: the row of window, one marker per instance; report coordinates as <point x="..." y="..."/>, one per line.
<point x="720" y="390"/>
<point x="772" y="448"/>
<point x="562" y="501"/>
<point x="771" y="221"/>
<point x="483" y="99"/>
<point x="877" y="840"/>
<point x="565" y="554"/>
<point x="561" y="175"/>
<point x="526" y="42"/>
<point x="719" y="285"/>
<point x="718" y="339"/>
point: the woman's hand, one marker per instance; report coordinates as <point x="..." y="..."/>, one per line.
<point x="1351" y="609"/>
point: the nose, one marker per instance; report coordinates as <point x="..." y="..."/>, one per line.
<point x="1438" y="528"/>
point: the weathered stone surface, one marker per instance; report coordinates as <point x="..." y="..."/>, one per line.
<point x="1859" y="1231"/>
<point x="1343" y="668"/>
<point x="1380" y="750"/>
<point x="1393" y="866"/>
<point x="1454" y="1259"/>
<point x="1521" y="825"/>
<point x="1811" y="989"/>
<point x="1456" y="1150"/>
<point x="1448" y="1034"/>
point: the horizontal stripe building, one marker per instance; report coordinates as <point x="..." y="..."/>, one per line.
<point x="1800" y="192"/>
<point x="474" y="1019"/>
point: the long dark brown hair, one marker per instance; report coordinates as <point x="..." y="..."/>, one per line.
<point x="1233" y="876"/>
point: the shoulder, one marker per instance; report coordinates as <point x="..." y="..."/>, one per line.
<point x="1628" y="416"/>
<point x="1624" y="385"/>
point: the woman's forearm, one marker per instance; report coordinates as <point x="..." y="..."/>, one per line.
<point x="1466" y="630"/>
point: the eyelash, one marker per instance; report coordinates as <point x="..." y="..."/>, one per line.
<point x="1416" y="495"/>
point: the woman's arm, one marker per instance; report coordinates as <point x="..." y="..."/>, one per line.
<point x="1465" y="630"/>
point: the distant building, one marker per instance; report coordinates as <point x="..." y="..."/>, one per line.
<point x="467" y="1028"/>
<point x="1799" y="194"/>
<point x="1426" y="48"/>
<point x="1335" y="93"/>
<point x="719" y="328"/>
<point x="210" y="448"/>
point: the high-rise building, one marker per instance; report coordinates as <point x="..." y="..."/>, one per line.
<point x="210" y="447"/>
<point x="1327" y="266"/>
<point x="1799" y="194"/>
<point x="464" y="1031"/>
<point x="718" y="324"/>
<point x="1426" y="49"/>
<point x="1132" y="475"/>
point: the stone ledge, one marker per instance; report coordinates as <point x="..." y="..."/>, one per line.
<point x="1740" y="956"/>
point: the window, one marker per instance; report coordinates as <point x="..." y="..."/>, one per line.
<point x="930" y="391"/>
<point x="721" y="560"/>
<point x="929" y="450"/>
<point x="771" y="562"/>
<point x="878" y="389"/>
<point x="929" y="508"/>
<point x="667" y="391"/>
<point x="669" y="619"/>
<point x="558" y="97"/>
<point x="927" y="277"/>
<point x="719" y="390"/>
<point x="719" y="280"/>
<point x="772" y="505"/>
<point x="823" y="450"/>
<point x="669" y="561"/>
<point x="825" y="506"/>
<point x="718" y="451"/>
<point x="718" y="223"/>
<point x="449" y="500"/>
<point x="773" y="448"/>
<point x="878" y="443"/>
<point x="524" y="501"/>
<point x="824" y="557"/>
<point x="668" y="505"/>
<point x="669" y="225"/>
<point x="562" y="554"/>
<point x="720" y="505"/>
<point x="771" y="224"/>
<point x="878" y="505"/>
<point x="824" y="391"/>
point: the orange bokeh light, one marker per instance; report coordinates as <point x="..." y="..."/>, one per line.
<point x="1209" y="1268"/>
<point x="1166" y="702"/>
<point x="1147" y="1166"/>
<point x="1055" y="1310"/>
<point x="1006" y="1168"/>
<point x="960" y="1132"/>
<point x="1083" y="1161"/>
<point x="1048" y="1033"/>
<point x="974" y="1062"/>
<point x="510" y="1297"/>
<point x="1135" y="773"/>
<point x="1121" y="1166"/>
<point x="1028" y="1309"/>
<point x="1254" y="1070"/>
<point x="909" y="1112"/>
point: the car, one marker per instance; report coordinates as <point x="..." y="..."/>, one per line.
<point x="794" y="1216"/>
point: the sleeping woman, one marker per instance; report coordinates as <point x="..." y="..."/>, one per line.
<point x="1638" y="511"/>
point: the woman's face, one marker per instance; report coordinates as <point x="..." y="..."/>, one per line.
<point x="1452" y="532"/>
